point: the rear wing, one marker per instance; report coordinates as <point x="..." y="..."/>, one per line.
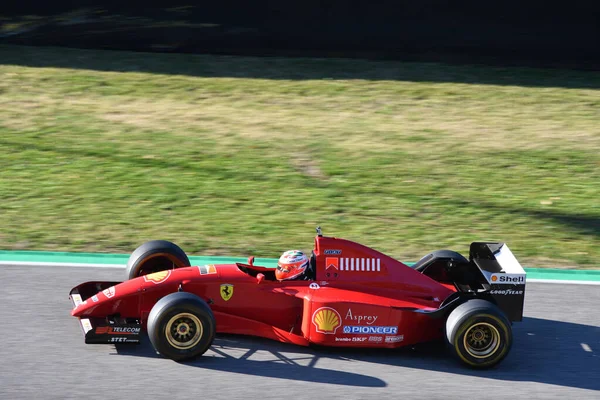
<point x="504" y="275"/>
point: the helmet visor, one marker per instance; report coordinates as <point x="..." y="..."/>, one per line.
<point x="284" y="268"/>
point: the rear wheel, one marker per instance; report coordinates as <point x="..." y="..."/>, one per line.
<point x="181" y="326"/>
<point x="479" y="333"/>
<point x="155" y="256"/>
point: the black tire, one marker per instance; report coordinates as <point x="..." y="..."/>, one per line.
<point x="479" y="333"/>
<point x="181" y="310"/>
<point x="155" y="256"/>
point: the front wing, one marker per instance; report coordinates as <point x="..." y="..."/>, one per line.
<point x="106" y="330"/>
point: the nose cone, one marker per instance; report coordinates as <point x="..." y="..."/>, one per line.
<point x="114" y="299"/>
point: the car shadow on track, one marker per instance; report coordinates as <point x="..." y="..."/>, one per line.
<point x="544" y="351"/>
<point x="262" y="357"/>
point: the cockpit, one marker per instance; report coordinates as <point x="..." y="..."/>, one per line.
<point x="269" y="273"/>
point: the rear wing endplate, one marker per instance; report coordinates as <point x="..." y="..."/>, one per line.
<point x="504" y="274"/>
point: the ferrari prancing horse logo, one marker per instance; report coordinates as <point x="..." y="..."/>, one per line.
<point x="226" y="291"/>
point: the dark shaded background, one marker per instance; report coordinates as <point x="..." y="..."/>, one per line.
<point x="533" y="32"/>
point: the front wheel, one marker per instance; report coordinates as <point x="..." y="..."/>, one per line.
<point x="479" y="333"/>
<point x="155" y="256"/>
<point x="181" y="326"/>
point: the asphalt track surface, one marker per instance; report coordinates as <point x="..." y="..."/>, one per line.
<point x="556" y="354"/>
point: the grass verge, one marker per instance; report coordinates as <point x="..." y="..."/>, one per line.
<point x="100" y="151"/>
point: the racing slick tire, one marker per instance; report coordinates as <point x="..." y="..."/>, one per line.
<point x="181" y="326"/>
<point x="155" y="256"/>
<point x="479" y="333"/>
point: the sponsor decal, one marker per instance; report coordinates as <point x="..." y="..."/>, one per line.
<point x="110" y="292"/>
<point x="508" y="279"/>
<point x="126" y="329"/>
<point x="332" y="252"/>
<point x="359" y="339"/>
<point x="158" y="277"/>
<point x="376" y="339"/>
<point x="81" y="303"/>
<point x="120" y="340"/>
<point x="95" y="298"/>
<point x="331" y="262"/>
<point x="394" y="339"/>
<point x="360" y="264"/>
<point x="360" y="319"/>
<point x="86" y="325"/>
<point x="506" y="292"/>
<point x="314" y="285"/>
<point x="378" y="330"/>
<point x="76" y="299"/>
<point x="117" y="330"/>
<point x="343" y="339"/>
<point x="226" y="291"/>
<point x="327" y="320"/>
<point x="207" y="269"/>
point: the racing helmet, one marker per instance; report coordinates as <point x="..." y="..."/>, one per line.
<point x="291" y="265"/>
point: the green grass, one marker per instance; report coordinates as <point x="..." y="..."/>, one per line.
<point x="239" y="156"/>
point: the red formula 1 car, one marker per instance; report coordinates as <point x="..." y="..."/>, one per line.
<point x="356" y="297"/>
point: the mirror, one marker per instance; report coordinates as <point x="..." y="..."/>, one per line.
<point x="251" y="260"/>
<point x="260" y="278"/>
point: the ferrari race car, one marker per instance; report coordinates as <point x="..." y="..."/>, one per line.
<point x="355" y="297"/>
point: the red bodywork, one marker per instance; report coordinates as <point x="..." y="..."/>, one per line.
<point x="360" y="298"/>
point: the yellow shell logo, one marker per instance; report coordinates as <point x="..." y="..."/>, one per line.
<point x="158" y="277"/>
<point x="327" y="320"/>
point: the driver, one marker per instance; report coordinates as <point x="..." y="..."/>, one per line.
<point x="293" y="264"/>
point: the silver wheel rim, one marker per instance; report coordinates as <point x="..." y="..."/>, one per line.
<point x="184" y="331"/>
<point x="482" y="340"/>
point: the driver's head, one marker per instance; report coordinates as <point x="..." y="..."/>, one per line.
<point x="291" y="265"/>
